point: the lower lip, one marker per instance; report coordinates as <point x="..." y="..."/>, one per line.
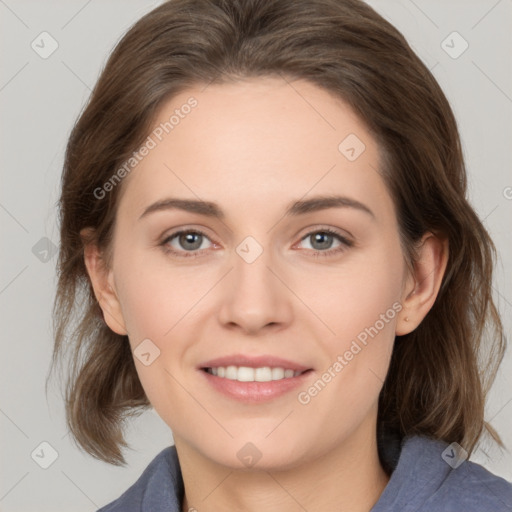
<point x="255" y="392"/>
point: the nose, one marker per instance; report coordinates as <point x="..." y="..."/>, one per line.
<point x="255" y="297"/>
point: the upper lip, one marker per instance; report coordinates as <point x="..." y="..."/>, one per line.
<point x="254" y="362"/>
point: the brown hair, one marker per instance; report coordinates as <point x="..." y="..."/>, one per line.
<point x="439" y="373"/>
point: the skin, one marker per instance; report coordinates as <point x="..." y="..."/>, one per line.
<point x="253" y="147"/>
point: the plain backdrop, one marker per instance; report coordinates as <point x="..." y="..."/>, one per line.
<point x="40" y="98"/>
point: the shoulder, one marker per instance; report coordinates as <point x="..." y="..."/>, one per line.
<point x="159" y="488"/>
<point x="473" y="488"/>
<point x="433" y="475"/>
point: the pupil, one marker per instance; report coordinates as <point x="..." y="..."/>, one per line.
<point x="325" y="237"/>
<point x="189" y="239"/>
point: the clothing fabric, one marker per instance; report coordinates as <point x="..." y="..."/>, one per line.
<point x="425" y="477"/>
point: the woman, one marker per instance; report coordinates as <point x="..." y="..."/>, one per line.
<point x="265" y="236"/>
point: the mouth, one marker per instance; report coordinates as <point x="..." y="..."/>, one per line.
<point x="248" y="374"/>
<point x="254" y="379"/>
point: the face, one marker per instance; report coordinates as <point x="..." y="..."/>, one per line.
<point x="254" y="276"/>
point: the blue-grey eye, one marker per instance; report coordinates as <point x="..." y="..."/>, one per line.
<point x="322" y="240"/>
<point x="186" y="241"/>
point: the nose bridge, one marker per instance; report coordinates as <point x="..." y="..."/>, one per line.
<point x="254" y="297"/>
<point x="251" y="267"/>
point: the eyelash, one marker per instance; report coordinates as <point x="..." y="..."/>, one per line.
<point x="194" y="254"/>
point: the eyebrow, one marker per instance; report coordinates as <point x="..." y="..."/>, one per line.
<point x="301" y="207"/>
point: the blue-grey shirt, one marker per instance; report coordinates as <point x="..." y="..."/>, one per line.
<point x="427" y="476"/>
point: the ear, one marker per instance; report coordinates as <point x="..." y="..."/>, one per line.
<point x="103" y="283"/>
<point x="423" y="282"/>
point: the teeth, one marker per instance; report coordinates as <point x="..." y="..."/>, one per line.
<point x="247" y="374"/>
<point x="277" y="373"/>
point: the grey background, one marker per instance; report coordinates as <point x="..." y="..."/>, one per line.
<point x="40" y="99"/>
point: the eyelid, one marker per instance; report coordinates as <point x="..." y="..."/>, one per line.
<point x="315" y="228"/>
<point x="186" y="230"/>
<point x="345" y="242"/>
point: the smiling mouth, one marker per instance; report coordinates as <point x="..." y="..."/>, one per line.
<point x="248" y="374"/>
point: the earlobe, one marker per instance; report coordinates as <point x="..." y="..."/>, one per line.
<point x="423" y="283"/>
<point x="104" y="289"/>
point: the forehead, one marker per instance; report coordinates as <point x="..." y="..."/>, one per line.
<point x="264" y="141"/>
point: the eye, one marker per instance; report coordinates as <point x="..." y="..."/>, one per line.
<point x="321" y="242"/>
<point x="190" y="243"/>
<point x="185" y="243"/>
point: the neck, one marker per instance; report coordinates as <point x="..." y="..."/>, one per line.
<point x="348" y="477"/>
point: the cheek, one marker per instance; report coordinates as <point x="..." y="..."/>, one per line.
<point x="155" y="296"/>
<point x="160" y="303"/>
<point x="359" y="294"/>
<point x="153" y="302"/>
<point x="368" y="305"/>
<point x="360" y="306"/>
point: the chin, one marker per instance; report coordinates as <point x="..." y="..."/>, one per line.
<point x="264" y="455"/>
